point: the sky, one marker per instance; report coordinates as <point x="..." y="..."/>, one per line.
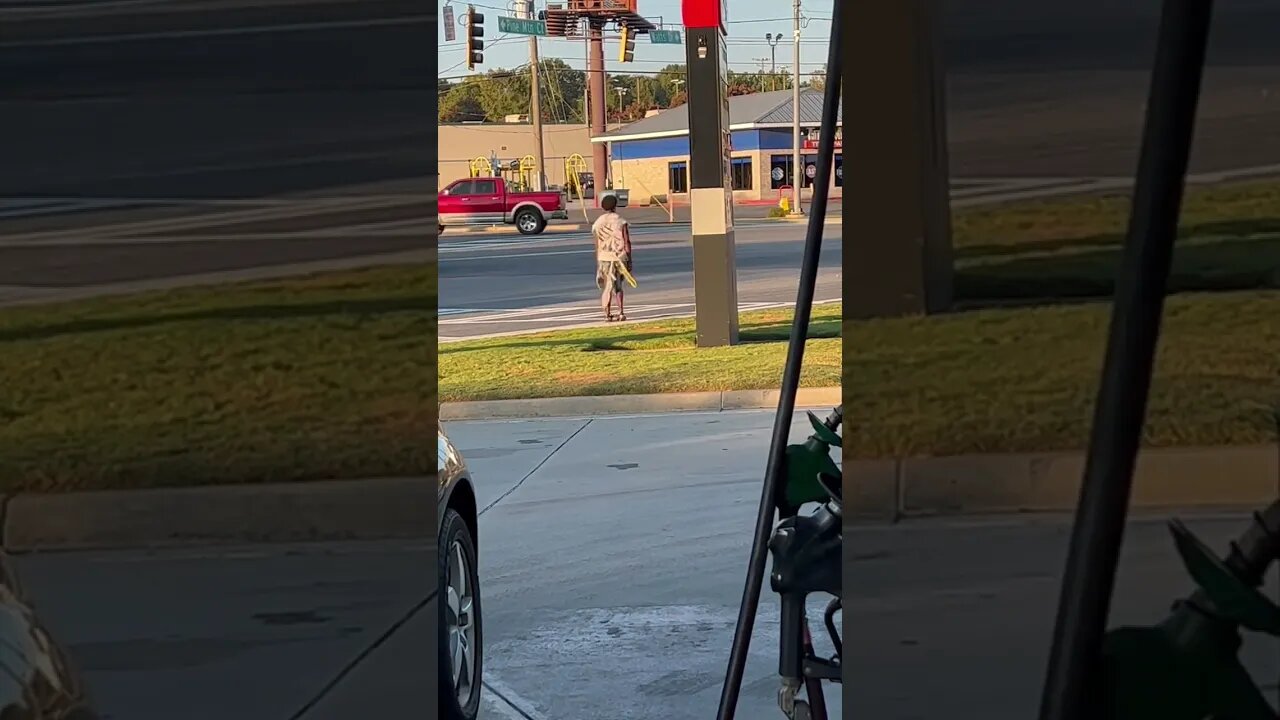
<point x="749" y="21"/>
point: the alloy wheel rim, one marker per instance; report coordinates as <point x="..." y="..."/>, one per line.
<point x="460" y="621"/>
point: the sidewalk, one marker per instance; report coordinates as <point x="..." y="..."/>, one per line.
<point x="892" y="489"/>
<point x="629" y="536"/>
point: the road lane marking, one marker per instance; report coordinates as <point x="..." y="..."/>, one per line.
<point x="591" y="314"/>
<point x="298" y="209"/>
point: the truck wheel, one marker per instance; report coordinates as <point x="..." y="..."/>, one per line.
<point x="530" y="222"/>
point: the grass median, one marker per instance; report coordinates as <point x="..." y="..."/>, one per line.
<point x="1008" y="380"/>
<point x="996" y="378"/>
<point x="649" y="357"/>
<point x="1062" y="248"/>
<point x="328" y="376"/>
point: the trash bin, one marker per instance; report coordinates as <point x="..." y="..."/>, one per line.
<point x="621" y="193"/>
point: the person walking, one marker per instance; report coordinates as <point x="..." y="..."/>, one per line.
<point x="612" y="235"/>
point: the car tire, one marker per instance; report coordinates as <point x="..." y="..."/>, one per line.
<point x="456" y="536"/>
<point x="530" y="222"/>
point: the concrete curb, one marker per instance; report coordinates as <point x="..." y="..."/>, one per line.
<point x="508" y="230"/>
<point x="880" y="490"/>
<point x="837" y="220"/>
<point x="387" y="508"/>
<point x="400" y="508"/>
<point x="632" y="404"/>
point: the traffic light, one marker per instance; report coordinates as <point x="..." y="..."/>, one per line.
<point x="475" y="31"/>
<point x="627" y="51"/>
<point x="557" y="22"/>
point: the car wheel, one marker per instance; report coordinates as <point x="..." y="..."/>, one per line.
<point x="461" y="636"/>
<point x="530" y="222"/>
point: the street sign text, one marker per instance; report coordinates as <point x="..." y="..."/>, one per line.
<point x="522" y="26"/>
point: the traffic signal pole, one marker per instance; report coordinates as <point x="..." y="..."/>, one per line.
<point x="715" y="273"/>
<point x="595" y="81"/>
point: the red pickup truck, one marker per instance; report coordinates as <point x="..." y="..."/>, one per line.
<point x="486" y="201"/>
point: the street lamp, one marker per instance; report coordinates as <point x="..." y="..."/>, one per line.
<point x="773" y="55"/>
<point x="621" y="91"/>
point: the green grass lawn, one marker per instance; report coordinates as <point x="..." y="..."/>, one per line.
<point x="1025" y="379"/>
<point x="335" y="375"/>
<point x="1070" y="247"/>
<point x="324" y="377"/>
<point x="638" y="358"/>
<point x="1004" y="379"/>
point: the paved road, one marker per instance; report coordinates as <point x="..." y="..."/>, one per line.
<point x="955" y="618"/>
<point x="491" y="285"/>
<point x="614" y="570"/>
<point x="195" y="101"/>
<point x="1057" y="89"/>
<point x="188" y="112"/>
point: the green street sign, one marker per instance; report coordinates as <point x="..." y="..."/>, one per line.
<point x="521" y="26"/>
<point x="665" y="37"/>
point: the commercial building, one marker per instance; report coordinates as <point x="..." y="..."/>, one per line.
<point x="650" y="157"/>
<point x="460" y="143"/>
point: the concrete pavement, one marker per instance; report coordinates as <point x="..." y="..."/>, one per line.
<point x="612" y="559"/>
<point x="613" y="553"/>
<point x="955" y="618"/>
<point x="253" y="632"/>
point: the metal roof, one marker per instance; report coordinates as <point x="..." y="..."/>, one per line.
<point x="768" y="109"/>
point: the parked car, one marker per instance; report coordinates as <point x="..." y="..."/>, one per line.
<point x="488" y="201"/>
<point x="36" y="678"/>
<point x="461" y="659"/>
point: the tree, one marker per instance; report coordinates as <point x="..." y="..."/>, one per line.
<point x="563" y="89"/>
<point x="460" y="103"/>
<point x="672" y="78"/>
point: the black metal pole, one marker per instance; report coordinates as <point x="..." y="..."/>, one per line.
<point x="1071" y="690"/>
<point x="790" y="380"/>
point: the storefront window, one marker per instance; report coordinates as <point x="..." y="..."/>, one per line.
<point x="741" y="168"/>
<point x="810" y="169"/>
<point x="779" y="171"/>
<point x="678" y="177"/>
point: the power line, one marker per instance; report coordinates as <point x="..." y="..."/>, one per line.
<point x="746" y="68"/>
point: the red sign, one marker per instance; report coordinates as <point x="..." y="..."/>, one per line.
<point x="810" y="139"/>
<point x="698" y="14"/>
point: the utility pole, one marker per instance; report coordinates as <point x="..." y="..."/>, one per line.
<point x="797" y="172"/>
<point x="596" y="81"/>
<point x="535" y="105"/>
